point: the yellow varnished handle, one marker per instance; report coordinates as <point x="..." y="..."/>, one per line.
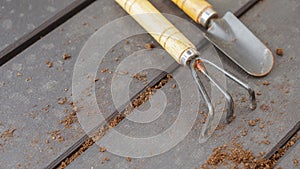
<point x="165" y="33"/>
<point x="193" y="8"/>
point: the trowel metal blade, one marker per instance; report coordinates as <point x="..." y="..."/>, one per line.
<point x="236" y="41"/>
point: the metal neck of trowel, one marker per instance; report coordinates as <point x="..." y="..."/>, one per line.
<point x="206" y="17"/>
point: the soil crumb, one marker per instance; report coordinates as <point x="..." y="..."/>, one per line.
<point x="104" y="70"/>
<point x="279" y="51"/>
<point x="7" y="134"/>
<point x="140" y="77"/>
<point x="56" y="135"/>
<point x="49" y="64"/>
<point x="266" y="83"/>
<point x="62" y="101"/>
<point x="66" y="56"/>
<point x="70" y="119"/>
<point x="102" y="149"/>
<point x="149" y="46"/>
<point x="252" y="123"/>
<point x="264" y="107"/>
<point x="128" y="159"/>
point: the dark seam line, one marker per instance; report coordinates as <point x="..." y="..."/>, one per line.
<point x="283" y="141"/>
<point x="49" y="25"/>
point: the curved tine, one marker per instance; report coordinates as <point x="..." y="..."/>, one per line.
<point x="238" y="81"/>
<point x="205" y="97"/>
<point x="229" y="100"/>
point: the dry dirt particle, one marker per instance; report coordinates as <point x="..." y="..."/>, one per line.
<point x="102" y="149"/>
<point x="296" y="162"/>
<point x="19" y="74"/>
<point x="104" y="70"/>
<point x="261" y="126"/>
<point x="140" y="77"/>
<point x="245" y="132"/>
<point x="49" y="64"/>
<point x="149" y="46"/>
<point x="104" y="160"/>
<point x="264" y="107"/>
<point x="173" y="86"/>
<point x="267" y="142"/>
<point x="7" y="134"/>
<point x="266" y="83"/>
<point x="258" y="93"/>
<point x="66" y="56"/>
<point x="68" y="120"/>
<point x="252" y="123"/>
<point x="128" y="159"/>
<point x="279" y="51"/>
<point x="62" y="101"/>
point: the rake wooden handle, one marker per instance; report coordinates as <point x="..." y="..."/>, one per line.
<point x="165" y="33"/>
<point x="194" y="8"/>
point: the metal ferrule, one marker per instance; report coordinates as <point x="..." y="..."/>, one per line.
<point x="188" y="55"/>
<point x="206" y="16"/>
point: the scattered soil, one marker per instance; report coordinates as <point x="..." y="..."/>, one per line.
<point x="62" y="101"/>
<point x="237" y="157"/>
<point x="261" y="126"/>
<point x="83" y="147"/>
<point x="173" y="86"/>
<point x="28" y="79"/>
<point x="264" y="107"/>
<point x="258" y="93"/>
<point x="70" y="119"/>
<point x="66" y="56"/>
<point x="104" y="70"/>
<point x="149" y="46"/>
<point x="128" y="159"/>
<point x="245" y="132"/>
<point x="56" y="135"/>
<point x="279" y="51"/>
<point x="104" y="160"/>
<point x="252" y="123"/>
<point x="7" y="134"/>
<point x="49" y="64"/>
<point x="19" y="74"/>
<point x="140" y="77"/>
<point x="116" y="120"/>
<point x="296" y="162"/>
<point x="266" y="83"/>
<point x="102" y="149"/>
<point x="142" y="98"/>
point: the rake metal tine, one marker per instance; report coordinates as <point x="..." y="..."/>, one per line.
<point x="238" y="81"/>
<point x="229" y="100"/>
<point x="205" y="97"/>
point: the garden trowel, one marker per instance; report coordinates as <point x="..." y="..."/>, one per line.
<point x="231" y="36"/>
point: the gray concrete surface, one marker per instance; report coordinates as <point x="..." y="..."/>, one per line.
<point x="18" y="18"/>
<point x="28" y="86"/>
<point x="23" y="99"/>
<point x="278" y="104"/>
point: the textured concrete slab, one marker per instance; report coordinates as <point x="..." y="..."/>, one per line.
<point x="278" y="102"/>
<point x="32" y="83"/>
<point x="18" y="18"/>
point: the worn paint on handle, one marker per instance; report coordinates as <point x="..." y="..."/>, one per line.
<point x="193" y="8"/>
<point x="164" y="32"/>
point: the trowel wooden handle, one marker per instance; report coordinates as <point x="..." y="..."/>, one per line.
<point x="194" y="8"/>
<point x="170" y="38"/>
